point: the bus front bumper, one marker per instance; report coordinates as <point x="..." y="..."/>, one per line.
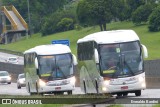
<point x="123" y="88"/>
<point x="62" y="88"/>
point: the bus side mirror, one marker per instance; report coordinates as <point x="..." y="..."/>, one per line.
<point x="36" y="63"/>
<point x="145" y="52"/>
<point x="74" y="59"/>
<point x="96" y="56"/>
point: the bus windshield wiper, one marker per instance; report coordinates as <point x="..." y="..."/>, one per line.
<point x="129" y="68"/>
<point x="60" y="70"/>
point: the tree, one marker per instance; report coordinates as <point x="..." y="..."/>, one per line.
<point x="83" y="13"/>
<point x="95" y="11"/>
<point x="141" y="14"/>
<point x="154" y="20"/>
<point x="133" y="5"/>
<point x="119" y="10"/>
<point x="39" y="10"/>
<point x="65" y="24"/>
<point x="57" y="20"/>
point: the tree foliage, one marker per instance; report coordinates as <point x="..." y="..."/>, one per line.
<point x="51" y="16"/>
<point x="65" y="24"/>
<point x="154" y="20"/>
<point x="132" y="6"/>
<point x="141" y="14"/>
<point x="120" y="10"/>
<point x="54" y="22"/>
<point x="39" y="10"/>
<point x="94" y="12"/>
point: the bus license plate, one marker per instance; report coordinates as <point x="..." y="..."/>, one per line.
<point x="124" y="87"/>
<point x="57" y="88"/>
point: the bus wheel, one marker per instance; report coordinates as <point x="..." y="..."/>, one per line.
<point x="125" y="94"/>
<point x="69" y="92"/>
<point x="29" y="88"/>
<point x="119" y="94"/>
<point x="58" y="93"/>
<point x="84" y="84"/>
<point x="97" y="87"/>
<point x="138" y="93"/>
<point x="37" y="88"/>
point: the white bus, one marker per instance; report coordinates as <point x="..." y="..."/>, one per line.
<point x="112" y="62"/>
<point x="50" y="69"/>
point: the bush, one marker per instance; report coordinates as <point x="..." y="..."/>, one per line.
<point x="78" y="27"/>
<point x="57" y="22"/>
<point x="141" y="14"/>
<point x="65" y="24"/>
<point x="154" y="20"/>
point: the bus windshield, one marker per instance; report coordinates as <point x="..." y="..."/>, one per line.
<point x="55" y="66"/>
<point x="121" y="60"/>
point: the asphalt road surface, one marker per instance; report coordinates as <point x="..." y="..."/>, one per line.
<point x="11" y="89"/>
<point x="5" y="56"/>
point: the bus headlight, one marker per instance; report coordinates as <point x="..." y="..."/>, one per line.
<point x="144" y="85"/>
<point x="73" y="80"/>
<point x="106" y="82"/>
<point x="9" y="78"/>
<point x="41" y="82"/>
<point x="104" y="88"/>
<point x="141" y="79"/>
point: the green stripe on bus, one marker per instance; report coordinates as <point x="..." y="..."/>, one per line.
<point x="45" y="75"/>
<point x="108" y="71"/>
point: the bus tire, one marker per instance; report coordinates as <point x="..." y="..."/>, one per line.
<point x="119" y="94"/>
<point x="69" y="92"/>
<point x="29" y="91"/>
<point x="125" y="94"/>
<point x="85" y="89"/>
<point x="97" y="87"/>
<point x="37" y="88"/>
<point x="58" y="93"/>
<point x="138" y="93"/>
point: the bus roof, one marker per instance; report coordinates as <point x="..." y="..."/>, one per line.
<point x="49" y="49"/>
<point x="108" y="37"/>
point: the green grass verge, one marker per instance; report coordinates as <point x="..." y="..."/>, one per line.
<point x="150" y="39"/>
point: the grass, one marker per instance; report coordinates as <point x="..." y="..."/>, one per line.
<point x="150" y="39"/>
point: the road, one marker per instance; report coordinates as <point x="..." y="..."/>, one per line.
<point x="4" y="56"/>
<point x="11" y="89"/>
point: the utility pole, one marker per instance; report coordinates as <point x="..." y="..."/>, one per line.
<point x="29" y="20"/>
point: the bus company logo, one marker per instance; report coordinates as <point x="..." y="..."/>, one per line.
<point x="6" y="101"/>
<point x="124" y="83"/>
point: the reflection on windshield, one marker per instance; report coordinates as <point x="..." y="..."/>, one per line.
<point x="22" y="76"/>
<point x="56" y="66"/>
<point x="118" y="60"/>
